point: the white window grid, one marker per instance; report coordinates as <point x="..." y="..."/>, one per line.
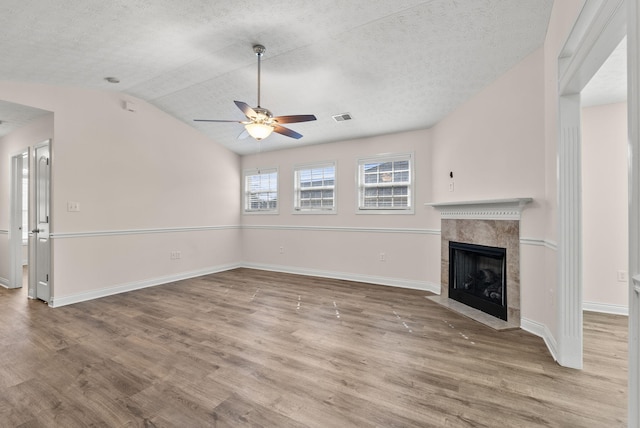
<point x="385" y="183"/>
<point x="315" y="188"/>
<point x="261" y="190"/>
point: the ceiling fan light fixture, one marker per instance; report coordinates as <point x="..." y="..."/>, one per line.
<point x="260" y="122"/>
<point x="259" y="131"/>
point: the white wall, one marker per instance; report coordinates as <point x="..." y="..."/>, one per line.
<point x="347" y="244"/>
<point x="147" y="185"/>
<point x="492" y="143"/>
<point x="604" y="207"/>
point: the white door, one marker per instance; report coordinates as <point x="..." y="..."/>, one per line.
<point x="18" y="165"/>
<point x="41" y="231"/>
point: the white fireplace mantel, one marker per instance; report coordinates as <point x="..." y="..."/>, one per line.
<point x="490" y="209"/>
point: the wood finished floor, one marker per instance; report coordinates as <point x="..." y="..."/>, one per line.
<point x="254" y="348"/>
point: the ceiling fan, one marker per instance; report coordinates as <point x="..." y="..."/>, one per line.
<point x="260" y="122"/>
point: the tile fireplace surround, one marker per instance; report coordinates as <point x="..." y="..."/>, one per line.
<point x="494" y="223"/>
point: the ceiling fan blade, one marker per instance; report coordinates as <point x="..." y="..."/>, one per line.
<point x="246" y="109"/>
<point x="295" y="118"/>
<point x="213" y="120"/>
<point x="286" y="131"/>
<point x="244" y="134"/>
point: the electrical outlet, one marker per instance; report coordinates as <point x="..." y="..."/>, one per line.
<point x="623" y="276"/>
<point x="383" y="257"/>
<point x="451" y="187"/>
<point x="73" y="206"/>
<point x="175" y="255"/>
<point x="281" y="250"/>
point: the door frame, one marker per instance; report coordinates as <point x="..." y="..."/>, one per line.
<point x="599" y="28"/>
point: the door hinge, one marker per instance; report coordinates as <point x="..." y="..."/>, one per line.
<point x="47" y="277"/>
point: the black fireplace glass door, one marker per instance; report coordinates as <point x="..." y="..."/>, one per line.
<point x="477" y="277"/>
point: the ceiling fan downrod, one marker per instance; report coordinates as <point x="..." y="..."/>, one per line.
<point x="259" y="50"/>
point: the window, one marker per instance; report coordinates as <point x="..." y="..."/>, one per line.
<point x="261" y="190"/>
<point x="385" y="184"/>
<point x="315" y="188"/>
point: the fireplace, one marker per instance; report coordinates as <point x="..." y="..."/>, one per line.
<point x="490" y="223"/>
<point x="478" y="277"/>
<point x="487" y="224"/>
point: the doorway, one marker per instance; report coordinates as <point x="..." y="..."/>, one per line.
<point x="605" y="197"/>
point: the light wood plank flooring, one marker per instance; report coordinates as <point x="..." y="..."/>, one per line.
<point x="254" y="348"/>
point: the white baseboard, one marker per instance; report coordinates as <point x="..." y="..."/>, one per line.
<point x="605" y="308"/>
<point x="123" y="288"/>
<point x="4" y="282"/>
<point x="378" y="280"/>
<point x="541" y="330"/>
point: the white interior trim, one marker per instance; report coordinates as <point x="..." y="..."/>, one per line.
<point x="415" y="231"/>
<point x="541" y="330"/>
<point x="539" y="243"/>
<point x="66" y="235"/>
<point x="598" y="30"/>
<point x="569" y="273"/>
<point x="633" y="106"/>
<point x="605" y="308"/>
<point x="490" y="209"/>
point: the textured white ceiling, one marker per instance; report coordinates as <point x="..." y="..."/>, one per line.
<point x="395" y="65"/>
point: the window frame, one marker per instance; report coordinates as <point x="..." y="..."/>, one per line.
<point x="297" y="208"/>
<point x="246" y="192"/>
<point x="361" y="185"/>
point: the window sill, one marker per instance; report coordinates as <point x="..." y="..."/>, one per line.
<point x="275" y="212"/>
<point x="315" y="212"/>
<point x="385" y="212"/>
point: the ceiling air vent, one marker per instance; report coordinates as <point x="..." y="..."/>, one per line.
<point x="342" y="117"/>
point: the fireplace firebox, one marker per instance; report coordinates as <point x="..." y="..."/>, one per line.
<point x="478" y="277"/>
